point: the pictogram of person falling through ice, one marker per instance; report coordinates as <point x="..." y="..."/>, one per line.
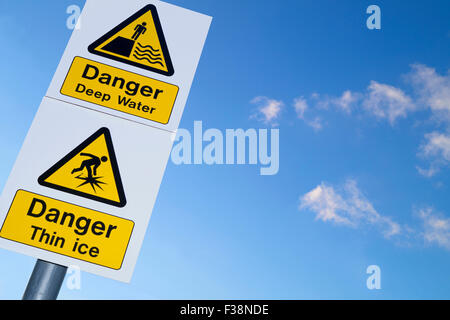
<point x="91" y="165"/>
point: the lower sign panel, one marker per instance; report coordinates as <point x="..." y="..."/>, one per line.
<point x="62" y="158"/>
<point x="67" y="229"/>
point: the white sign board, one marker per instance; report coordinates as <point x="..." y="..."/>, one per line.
<point x="86" y="179"/>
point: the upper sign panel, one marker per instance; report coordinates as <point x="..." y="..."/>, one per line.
<point x="132" y="59"/>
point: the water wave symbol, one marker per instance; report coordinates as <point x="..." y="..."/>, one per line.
<point x="145" y="58"/>
<point x="147" y="47"/>
<point x="148" y="53"/>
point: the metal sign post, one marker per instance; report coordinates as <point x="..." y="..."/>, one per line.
<point x="45" y="281"/>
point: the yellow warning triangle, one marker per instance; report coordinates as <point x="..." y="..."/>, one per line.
<point x="138" y="41"/>
<point x="89" y="171"/>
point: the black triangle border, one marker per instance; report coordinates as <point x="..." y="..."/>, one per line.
<point x="125" y="23"/>
<point x="112" y="156"/>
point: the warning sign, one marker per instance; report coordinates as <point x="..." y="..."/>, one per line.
<point x="89" y="171"/>
<point x="67" y="229"/>
<point x="138" y="41"/>
<point x="87" y="177"/>
<point x="120" y="90"/>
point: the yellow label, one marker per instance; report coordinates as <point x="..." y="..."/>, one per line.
<point x="67" y="229"/>
<point x="90" y="171"/>
<point x="120" y="90"/>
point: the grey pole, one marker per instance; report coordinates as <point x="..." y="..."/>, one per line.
<point x="45" y="281"/>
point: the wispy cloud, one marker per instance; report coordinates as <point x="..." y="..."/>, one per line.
<point x="438" y="144"/>
<point x="346" y="101"/>
<point x="429" y="91"/>
<point x="436" y="227"/>
<point x="346" y="206"/>
<point x="301" y="107"/>
<point x="385" y="101"/>
<point x="428" y="172"/>
<point x="433" y="91"/>
<point x="436" y="148"/>
<point x="268" y="110"/>
<point x="380" y="100"/>
<point x="316" y="123"/>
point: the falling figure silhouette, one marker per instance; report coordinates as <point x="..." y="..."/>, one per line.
<point x="91" y="165"/>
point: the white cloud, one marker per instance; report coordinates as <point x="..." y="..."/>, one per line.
<point x="300" y="106"/>
<point x="268" y="110"/>
<point x="438" y="145"/>
<point x="347" y="207"/>
<point x="385" y="101"/>
<point x="437" y="150"/>
<point x="381" y="100"/>
<point x="433" y="90"/>
<point x="316" y="124"/>
<point x="321" y="102"/>
<point x="433" y="93"/>
<point x="430" y="92"/>
<point x="346" y="101"/>
<point x="428" y="173"/>
<point x="326" y="203"/>
<point x="436" y="228"/>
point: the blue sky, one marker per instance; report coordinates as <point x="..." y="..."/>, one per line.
<point x="364" y="120"/>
